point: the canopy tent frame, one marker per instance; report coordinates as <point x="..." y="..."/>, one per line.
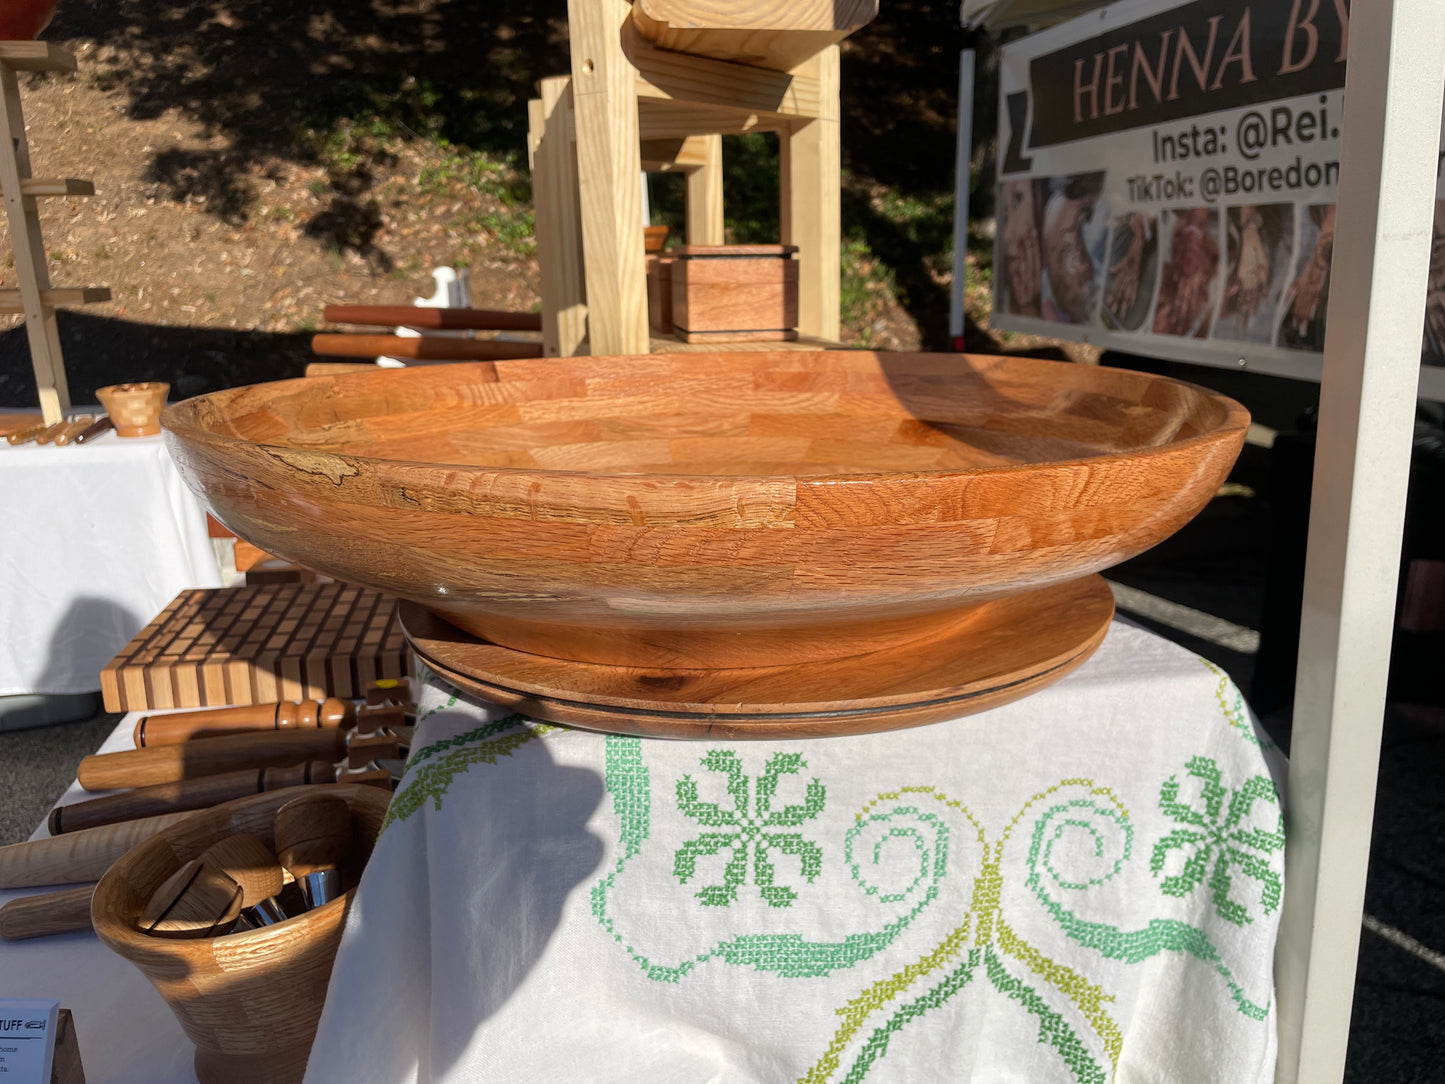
<point x="1370" y="379"/>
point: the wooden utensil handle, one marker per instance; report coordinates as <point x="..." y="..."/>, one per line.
<point x="194" y="759"/>
<point x="40" y="916"/>
<point x="75" y="856"/>
<point x="153" y="730"/>
<point x="186" y="794"/>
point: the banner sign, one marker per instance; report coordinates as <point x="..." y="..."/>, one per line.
<point x="1167" y="181"/>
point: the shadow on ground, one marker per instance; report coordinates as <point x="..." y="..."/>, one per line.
<point x="192" y="360"/>
<point x="323" y="82"/>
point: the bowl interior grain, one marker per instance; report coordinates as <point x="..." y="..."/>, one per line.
<point x="759" y="414"/>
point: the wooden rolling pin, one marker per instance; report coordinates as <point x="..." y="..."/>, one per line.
<point x="185" y="794"/>
<point x="76" y="856"/>
<point x="73" y="429"/>
<point x="194" y="759"/>
<point x="214" y="722"/>
<point x="40" y="916"/>
<point x="426" y="348"/>
<point x="49" y="434"/>
<point x="433" y="319"/>
<point x="95" y="429"/>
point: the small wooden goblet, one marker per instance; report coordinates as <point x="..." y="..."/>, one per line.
<point x="250" y="1001"/>
<point x="135" y="408"/>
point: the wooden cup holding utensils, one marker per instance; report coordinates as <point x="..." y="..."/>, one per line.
<point x="249" y="1000"/>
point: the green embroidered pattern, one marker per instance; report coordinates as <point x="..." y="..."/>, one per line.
<point x="1231" y="702"/>
<point x="1097" y="820"/>
<point x="788" y="955"/>
<point x="1215" y="833"/>
<point x="486" y="730"/>
<point x="983" y="925"/>
<point x="748" y="833"/>
<point x="432" y="780"/>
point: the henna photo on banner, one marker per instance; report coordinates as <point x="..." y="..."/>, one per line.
<point x="1303" y="325"/>
<point x="1260" y="246"/>
<point x="1188" y="287"/>
<point x="1133" y="272"/>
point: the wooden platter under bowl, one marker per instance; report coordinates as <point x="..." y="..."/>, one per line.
<point x="1009" y="648"/>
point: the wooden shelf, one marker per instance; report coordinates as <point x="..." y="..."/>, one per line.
<point x="10" y="303"/>
<point x="757" y="32"/>
<point x="36" y="56"/>
<point x="40" y="187"/>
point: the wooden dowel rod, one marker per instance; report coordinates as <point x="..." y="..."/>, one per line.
<point x="426" y="348"/>
<point x="433" y="319"/>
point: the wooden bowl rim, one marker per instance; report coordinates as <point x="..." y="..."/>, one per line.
<point x="129" y="941"/>
<point x="176" y="421"/>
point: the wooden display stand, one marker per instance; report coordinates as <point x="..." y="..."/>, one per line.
<point x="35" y="298"/>
<point x="634" y="102"/>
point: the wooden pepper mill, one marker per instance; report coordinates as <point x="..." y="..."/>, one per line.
<point x="313" y="838"/>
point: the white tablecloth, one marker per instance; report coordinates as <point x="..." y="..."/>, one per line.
<point x="127" y="1034"/>
<point x="1081" y="886"/>
<point x="97" y="539"/>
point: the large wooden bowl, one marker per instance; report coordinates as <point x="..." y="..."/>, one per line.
<point x="250" y="1001"/>
<point x="709" y="510"/>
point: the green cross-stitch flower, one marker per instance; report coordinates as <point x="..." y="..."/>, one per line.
<point x="750" y="830"/>
<point x="1216" y="833"/>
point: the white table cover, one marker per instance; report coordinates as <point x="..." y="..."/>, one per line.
<point x="1081" y="886"/>
<point x="98" y="538"/>
<point x="127" y="1034"/>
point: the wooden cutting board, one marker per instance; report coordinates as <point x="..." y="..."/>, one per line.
<point x="256" y="644"/>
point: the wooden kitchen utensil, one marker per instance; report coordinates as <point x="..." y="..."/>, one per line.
<point x="313" y="839"/>
<point x="40" y="916"/>
<point x="187" y="794"/>
<point x="250" y="863"/>
<point x="250" y="1001"/>
<point x="75" y="856"/>
<point x="192" y="760"/>
<point x="95" y="429"/>
<point x="330" y="713"/>
<point x="198" y="900"/>
<point x="74" y="428"/>
<point x="50" y="432"/>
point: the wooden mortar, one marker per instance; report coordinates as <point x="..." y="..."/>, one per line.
<point x="250" y="1001"/>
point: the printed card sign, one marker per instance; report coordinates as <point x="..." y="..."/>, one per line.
<point x="27" y="1040"/>
<point x="1167" y="181"/>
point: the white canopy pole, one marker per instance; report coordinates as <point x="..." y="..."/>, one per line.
<point x="962" y="182"/>
<point x="1389" y="144"/>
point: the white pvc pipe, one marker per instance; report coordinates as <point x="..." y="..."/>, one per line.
<point x="1396" y="81"/>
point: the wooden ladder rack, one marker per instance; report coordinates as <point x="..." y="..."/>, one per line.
<point x="35" y="298"/>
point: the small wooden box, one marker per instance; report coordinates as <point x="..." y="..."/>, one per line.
<point x="735" y="293"/>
